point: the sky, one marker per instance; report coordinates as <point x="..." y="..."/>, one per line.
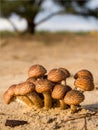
<point x="57" y="23"/>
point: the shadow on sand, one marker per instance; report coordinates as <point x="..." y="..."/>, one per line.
<point x="91" y="106"/>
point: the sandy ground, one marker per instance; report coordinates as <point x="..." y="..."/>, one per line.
<point x="73" y="52"/>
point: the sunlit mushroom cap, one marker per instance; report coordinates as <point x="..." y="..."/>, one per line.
<point x="59" y="91"/>
<point x="85" y="84"/>
<point x="9" y="94"/>
<point x="36" y="71"/>
<point x="73" y="97"/>
<point x="43" y="85"/>
<point x="24" y="88"/>
<point x="56" y="75"/>
<point x="83" y="73"/>
<point x="67" y="73"/>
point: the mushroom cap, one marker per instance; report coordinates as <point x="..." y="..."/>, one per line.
<point x="85" y="84"/>
<point x="67" y="73"/>
<point x="24" y="88"/>
<point x="59" y="91"/>
<point x="9" y="94"/>
<point x="32" y="80"/>
<point x="43" y="85"/>
<point x="74" y="97"/>
<point x="56" y="75"/>
<point x="83" y="73"/>
<point x="36" y="71"/>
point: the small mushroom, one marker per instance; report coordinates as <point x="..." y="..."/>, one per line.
<point x="36" y="71"/>
<point x="56" y="75"/>
<point x="45" y="86"/>
<point x="9" y="94"/>
<point x="84" y="84"/>
<point x="20" y="93"/>
<point x="28" y="88"/>
<point x="59" y="92"/>
<point x="34" y="80"/>
<point x="74" y="98"/>
<point x="83" y="73"/>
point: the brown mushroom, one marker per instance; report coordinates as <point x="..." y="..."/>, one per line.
<point x="83" y="73"/>
<point x="84" y="84"/>
<point x="56" y="75"/>
<point x="28" y="88"/>
<point x="59" y="92"/>
<point x="36" y="71"/>
<point x="44" y="86"/>
<point x="74" y="98"/>
<point x="9" y="94"/>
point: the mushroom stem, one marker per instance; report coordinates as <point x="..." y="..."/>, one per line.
<point x="75" y="88"/>
<point x="80" y="90"/>
<point x="25" y="100"/>
<point x="34" y="97"/>
<point x="63" y="82"/>
<point x="62" y="104"/>
<point x="47" y="99"/>
<point x="73" y="108"/>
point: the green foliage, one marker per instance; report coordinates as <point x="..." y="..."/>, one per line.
<point x="77" y="7"/>
<point x="7" y="34"/>
<point x="25" y="8"/>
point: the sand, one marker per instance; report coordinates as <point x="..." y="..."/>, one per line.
<point x="73" y="52"/>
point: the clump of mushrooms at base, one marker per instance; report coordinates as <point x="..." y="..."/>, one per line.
<point x="49" y="90"/>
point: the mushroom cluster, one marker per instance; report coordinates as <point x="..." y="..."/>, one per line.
<point x="42" y="89"/>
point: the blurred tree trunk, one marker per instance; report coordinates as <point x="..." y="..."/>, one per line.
<point x="31" y="26"/>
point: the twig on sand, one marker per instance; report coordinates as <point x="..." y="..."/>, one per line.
<point x="13" y="123"/>
<point x="81" y="116"/>
<point x="85" y="124"/>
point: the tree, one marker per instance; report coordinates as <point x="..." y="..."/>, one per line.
<point x="29" y="9"/>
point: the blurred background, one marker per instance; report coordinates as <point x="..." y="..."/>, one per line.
<point x="48" y="15"/>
